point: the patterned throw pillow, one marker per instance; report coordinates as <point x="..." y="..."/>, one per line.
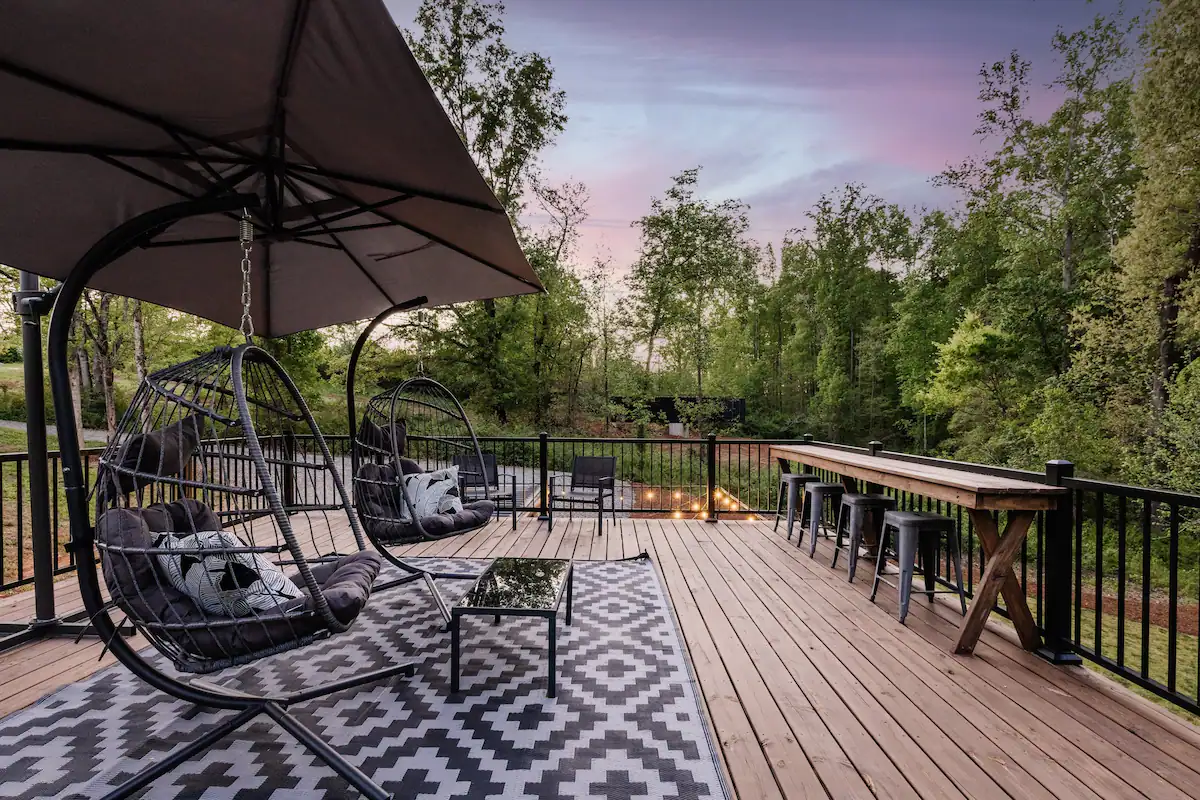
<point x="433" y="493"/>
<point x="231" y="584"/>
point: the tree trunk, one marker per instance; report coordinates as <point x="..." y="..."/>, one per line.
<point x="540" y="388"/>
<point x="78" y="362"/>
<point x="139" y="342"/>
<point x="1170" y="357"/>
<point x="1168" y="351"/>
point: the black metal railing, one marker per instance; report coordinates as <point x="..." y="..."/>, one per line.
<point x="1112" y="574"/>
<point x="16" y="547"/>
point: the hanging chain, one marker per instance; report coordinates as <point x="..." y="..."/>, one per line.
<point x="246" y="230"/>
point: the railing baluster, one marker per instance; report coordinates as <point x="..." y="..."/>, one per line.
<point x="3" y="573"/>
<point x="1173" y="599"/>
<point x="1121" y="508"/>
<point x="20" y="522"/>
<point x="1078" y="567"/>
<point x="1146" y="536"/>
<point x="1098" y="597"/>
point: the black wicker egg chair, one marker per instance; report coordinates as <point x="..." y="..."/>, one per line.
<point x="223" y="529"/>
<point x="413" y="435"/>
<point x="416" y="427"/>
<point x="215" y="534"/>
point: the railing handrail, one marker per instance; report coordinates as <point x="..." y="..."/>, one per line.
<point x="1140" y="492"/>
<point x="24" y="456"/>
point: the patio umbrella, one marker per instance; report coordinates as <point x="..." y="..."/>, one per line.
<point x="367" y="196"/>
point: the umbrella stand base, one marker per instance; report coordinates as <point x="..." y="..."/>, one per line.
<point x="16" y="634"/>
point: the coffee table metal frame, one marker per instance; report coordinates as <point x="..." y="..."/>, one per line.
<point x="550" y="614"/>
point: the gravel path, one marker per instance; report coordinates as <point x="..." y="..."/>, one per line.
<point x="89" y="434"/>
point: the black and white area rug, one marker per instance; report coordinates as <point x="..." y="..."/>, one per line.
<point x="626" y="722"/>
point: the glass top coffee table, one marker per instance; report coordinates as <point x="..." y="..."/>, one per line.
<point x="515" y="587"/>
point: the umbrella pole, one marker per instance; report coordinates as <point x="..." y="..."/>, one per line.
<point x="31" y="304"/>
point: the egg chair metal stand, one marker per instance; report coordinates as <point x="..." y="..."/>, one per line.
<point x="389" y="450"/>
<point x="202" y="406"/>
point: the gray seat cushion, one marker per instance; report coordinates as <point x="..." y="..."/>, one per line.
<point x="136" y="585"/>
<point x="379" y="503"/>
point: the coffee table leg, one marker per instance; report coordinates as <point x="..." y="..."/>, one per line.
<point x="454" y="652"/>
<point x="553" y="625"/>
<point x="570" y="591"/>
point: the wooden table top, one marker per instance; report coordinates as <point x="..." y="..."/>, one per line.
<point x="972" y="490"/>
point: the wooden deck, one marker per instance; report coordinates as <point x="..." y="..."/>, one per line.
<point x="811" y="690"/>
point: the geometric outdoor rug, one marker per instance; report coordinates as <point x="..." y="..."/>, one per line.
<point x="626" y="722"/>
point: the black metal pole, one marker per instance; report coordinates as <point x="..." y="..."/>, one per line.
<point x="30" y="309"/>
<point x="712" y="477"/>
<point x="1059" y="567"/>
<point x="352" y="370"/>
<point x="544" y="476"/>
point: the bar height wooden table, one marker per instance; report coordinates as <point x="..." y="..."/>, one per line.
<point x="980" y="494"/>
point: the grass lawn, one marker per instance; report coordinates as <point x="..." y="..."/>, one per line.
<point x="15" y="544"/>
<point x="1187" y="651"/>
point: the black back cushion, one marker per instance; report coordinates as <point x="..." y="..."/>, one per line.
<point x="161" y="453"/>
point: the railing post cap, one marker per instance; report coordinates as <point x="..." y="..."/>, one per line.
<point x="1058" y="469"/>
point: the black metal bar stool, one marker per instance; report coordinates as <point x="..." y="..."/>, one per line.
<point x="919" y="530"/>
<point x="853" y="515"/>
<point x="790" y="486"/>
<point x="815" y="497"/>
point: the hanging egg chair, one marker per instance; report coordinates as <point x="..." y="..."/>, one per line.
<point x="224" y="531"/>
<point x="414" y="437"/>
<point x="442" y="434"/>
<point x="212" y="523"/>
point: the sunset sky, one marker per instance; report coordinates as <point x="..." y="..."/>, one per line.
<point x="778" y="100"/>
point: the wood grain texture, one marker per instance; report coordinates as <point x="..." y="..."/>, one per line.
<point x="962" y="487"/>
<point x="809" y="689"/>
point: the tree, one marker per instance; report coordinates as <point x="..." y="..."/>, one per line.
<point x="503" y="104"/>
<point x="506" y="109"/>
<point x="695" y="255"/>
<point x="1160" y="258"/>
<point x="841" y="274"/>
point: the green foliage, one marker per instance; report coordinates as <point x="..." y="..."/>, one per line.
<point x="695" y="261"/>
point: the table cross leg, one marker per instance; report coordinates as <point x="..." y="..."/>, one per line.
<point x="998" y="578"/>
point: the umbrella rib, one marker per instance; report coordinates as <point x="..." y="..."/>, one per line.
<point x="358" y="209"/>
<point x="179" y="140"/>
<point x="431" y="236"/>
<point x="113" y="152"/>
<point x="160" y="183"/>
<point x="74" y="91"/>
<point x="353" y="259"/>
<point x="392" y="186"/>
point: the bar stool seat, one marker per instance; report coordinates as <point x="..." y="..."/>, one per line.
<point x="790" y="485"/>
<point x="853" y="514"/>
<point x="815" y="497"/>
<point x="923" y="531"/>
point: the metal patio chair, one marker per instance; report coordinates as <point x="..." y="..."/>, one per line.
<point x="593" y="478"/>
<point x="475" y="475"/>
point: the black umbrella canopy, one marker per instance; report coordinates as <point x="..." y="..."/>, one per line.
<point x="368" y="198"/>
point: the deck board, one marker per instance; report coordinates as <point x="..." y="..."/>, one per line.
<point x="811" y="690"/>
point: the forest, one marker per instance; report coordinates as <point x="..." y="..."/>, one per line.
<point x="1052" y="311"/>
